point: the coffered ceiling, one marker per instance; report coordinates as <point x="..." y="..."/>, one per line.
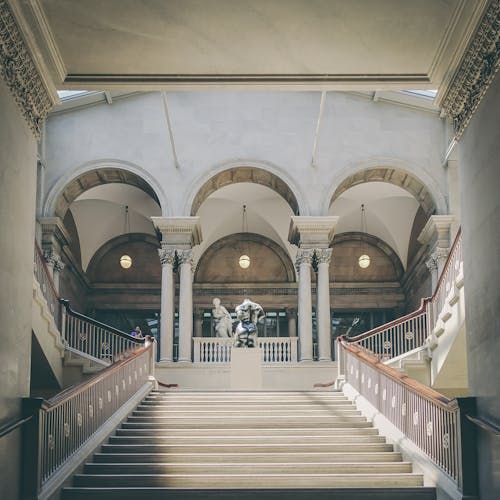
<point x="280" y="44"/>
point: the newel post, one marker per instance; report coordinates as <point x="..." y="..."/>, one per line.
<point x="32" y="449"/>
<point x="467" y="452"/>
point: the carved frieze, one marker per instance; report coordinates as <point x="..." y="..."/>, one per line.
<point x="476" y="72"/>
<point x="19" y="71"/>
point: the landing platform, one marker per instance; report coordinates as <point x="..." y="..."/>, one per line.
<point x="299" y="376"/>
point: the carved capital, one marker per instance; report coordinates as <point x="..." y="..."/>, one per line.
<point x="304" y="256"/>
<point x="440" y="255"/>
<point x="431" y="264"/>
<point x="476" y="72"/>
<point x="53" y="259"/>
<point x="20" y="73"/>
<point x="167" y="256"/>
<point x="323" y="255"/>
<point x="185" y="257"/>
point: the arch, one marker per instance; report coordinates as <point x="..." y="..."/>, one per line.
<point x="230" y="247"/>
<point x="150" y="271"/>
<point x="98" y="172"/>
<point x="245" y="171"/>
<point x="421" y="187"/>
<point x="373" y="242"/>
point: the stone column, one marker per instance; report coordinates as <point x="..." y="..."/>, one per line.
<point x="304" y="260"/>
<point x="185" y="305"/>
<point x="181" y="234"/>
<point x="198" y="322"/>
<point x="323" y="321"/>
<point x="167" y="257"/>
<point x="292" y="322"/>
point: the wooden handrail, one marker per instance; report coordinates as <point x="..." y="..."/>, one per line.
<point x="47" y="272"/>
<point x="13" y="425"/>
<point x="94" y="322"/>
<point x="394" y="322"/>
<point x="421" y="389"/>
<point x="487" y="425"/>
<point x="447" y="263"/>
<point x="63" y="396"/>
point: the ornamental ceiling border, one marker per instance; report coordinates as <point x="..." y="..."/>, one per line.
<point x="20" y="73"/>
<point x="476" y="71"/>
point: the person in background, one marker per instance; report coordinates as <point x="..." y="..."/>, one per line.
<point x="136" y="332"/>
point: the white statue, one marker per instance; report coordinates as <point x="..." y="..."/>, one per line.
<point x="222" y="320"/>
<point x="249" y="313"/>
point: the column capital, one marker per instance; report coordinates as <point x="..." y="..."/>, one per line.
<point x="167" y="255"/>
<point x="431" y="264"/>
<point x="323" y="255"/>
<point x="179" y="232"/>
<point x="311" y="231"/>
<point x="304" y="256"/>
<point x="185" y="257"/>
<point x="440" y="255"/>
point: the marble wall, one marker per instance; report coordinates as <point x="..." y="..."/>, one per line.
<point x="17" y="224"/>
<point x="479" y="163"/>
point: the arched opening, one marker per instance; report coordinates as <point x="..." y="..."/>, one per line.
<point x="248" y="175"/>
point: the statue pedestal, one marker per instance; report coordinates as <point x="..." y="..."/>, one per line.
<point x="246" y="369"/>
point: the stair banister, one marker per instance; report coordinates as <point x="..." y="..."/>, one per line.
<point x="65" y="422"/>
<point x="437" y="425"/>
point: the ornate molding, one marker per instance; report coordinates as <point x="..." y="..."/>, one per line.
<point x="476" y="72"/>
<point x="167" y="256"/>
<point x="20" y="73"/>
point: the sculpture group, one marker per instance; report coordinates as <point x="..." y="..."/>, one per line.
<point x="244" y="331"/>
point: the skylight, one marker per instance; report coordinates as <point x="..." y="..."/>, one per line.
<point x="425" y="93"/>
<point x="69" y="94"/>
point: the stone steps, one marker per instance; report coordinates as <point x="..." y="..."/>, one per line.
<point x="295" y="444"/>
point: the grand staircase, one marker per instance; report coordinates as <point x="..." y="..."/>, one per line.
<point x="242" y="445"/>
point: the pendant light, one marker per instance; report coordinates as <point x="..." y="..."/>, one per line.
<point x="244" y="260"/>
<point x="126" y="260"/>
<point x="364" y="259"/>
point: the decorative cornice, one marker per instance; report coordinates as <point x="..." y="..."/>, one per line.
<point x="182" y="232"/>
<point x="20" y="73"/>
<point x="311" y="231"/>
<point x="476" y="72"/>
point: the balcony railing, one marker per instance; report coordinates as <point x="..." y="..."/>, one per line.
<point x="437" y="425"/>
<point x="63" y="424"/>
<point x="412" y="331"/>
<point x="275" y="350"/>
<point x="93" y="338"/>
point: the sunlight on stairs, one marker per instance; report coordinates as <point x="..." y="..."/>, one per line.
<point x="247" y="445"/>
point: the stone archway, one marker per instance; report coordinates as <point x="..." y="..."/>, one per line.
<point x="392" y="175"/>
<point x="245" y="174"/>
<point x="97" y="177"/>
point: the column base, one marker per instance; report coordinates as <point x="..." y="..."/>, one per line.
<point x="184" y="361"/>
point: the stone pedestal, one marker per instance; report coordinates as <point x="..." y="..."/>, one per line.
<point x="246" y="369"/>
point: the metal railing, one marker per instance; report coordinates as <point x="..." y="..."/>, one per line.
<point x="434" y="423"/>
<point x="93" y="338"/>
<point x="64" y="423"/>
<point x="44" y="278"/>
<point x="275" y="350"/>
<point x="412" y="331"/>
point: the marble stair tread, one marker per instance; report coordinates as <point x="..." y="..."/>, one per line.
<point x="200" y="423"/>
<point x="254" y="468"/>
<point x="158" y="493"/>
<point x="237" y="440"/>
<point x="236" y="431"/>
<point x="256" y="448"/>
<point x="270" y="480"/>
<point x="250" y="457"/>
